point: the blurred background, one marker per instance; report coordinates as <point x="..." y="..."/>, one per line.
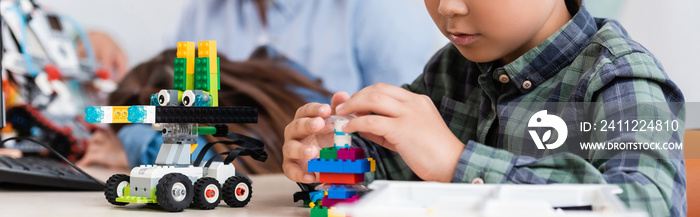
<point x="669" y="29"/>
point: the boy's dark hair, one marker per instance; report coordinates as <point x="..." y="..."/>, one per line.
<point x="259" y="82"/>
<point x="573" y="6"/>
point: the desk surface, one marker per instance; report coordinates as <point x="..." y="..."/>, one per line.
<point x="272" y="196"/>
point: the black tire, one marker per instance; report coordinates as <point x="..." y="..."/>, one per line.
<point x="174" y="192"/>
<point x="114" y="188"/>
<point x="207" y="193"/>
<point x="237" y="191"/>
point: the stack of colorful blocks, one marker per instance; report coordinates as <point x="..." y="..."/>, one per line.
<point x="341" y="168"/>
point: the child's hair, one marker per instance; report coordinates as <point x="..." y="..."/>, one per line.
<point x="260" y="82"/>
<point x="573" y="6"/>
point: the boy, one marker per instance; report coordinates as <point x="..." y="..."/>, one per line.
<point x="457" y="122"/>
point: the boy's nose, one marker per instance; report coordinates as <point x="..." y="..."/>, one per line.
<point x="451" y="8"/>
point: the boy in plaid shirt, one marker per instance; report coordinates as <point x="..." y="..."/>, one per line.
<point x="464" y="118"/>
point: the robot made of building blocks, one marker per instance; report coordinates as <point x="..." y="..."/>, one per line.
<point x="174" y="182"/>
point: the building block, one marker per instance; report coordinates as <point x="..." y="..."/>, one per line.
<point x="327" y="202"/>
<point x="341" y="192"/>
<point x="333" y="212"/>
<point x="214" y="83"/>
<point x="325" y="166"/>
<point x="339" y="166"/>
<point x="186" y="50"/>
<point x="315" y="196"/>
<point x="341" y="178"/>
<point x="330" y="153"/>
<point x="357" y="166"/>
<point x="372" y="164"/>
<point x="201" y="74"/>
<point x="180" y="76"/>
<point x="120" y="114"/>
<point x="341" y="139"/>
<point x="207" y="49"/>
<point x="319" y="211"/>
<point x="351" y="154"/>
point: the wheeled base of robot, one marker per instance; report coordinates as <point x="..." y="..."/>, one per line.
<point x="176" y="188"/>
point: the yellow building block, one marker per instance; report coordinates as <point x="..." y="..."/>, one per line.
<point x="186" y="50"/>
<point x="207" y="49"/>
<point x="120" y="114"/>
<point x="334" y="212"/>
<point x="192" y="148"/>
<point x="372" y="164"/>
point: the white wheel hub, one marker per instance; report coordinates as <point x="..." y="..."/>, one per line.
<point x="211" y="193"/>
<point x="242" y="191"/>
<point x="120" y="188"/>
<point x="179" y="191"/>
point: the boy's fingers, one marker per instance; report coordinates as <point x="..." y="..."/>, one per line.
<point x="338" y="98"/>
<point x="396" y="92"/>
<point x="377" y="103"/>
<point x="375" y="124"/>
<point x="303" y="127"/>
<point x="296" y="150"/>
<point x="296" y="173"/>
<point x="313" y="110"/>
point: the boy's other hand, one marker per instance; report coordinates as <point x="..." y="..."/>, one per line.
<point x="104" y="149"/>
<point x="107" y="52"/>
<point x="407" y="123"/>
<point x="305" y="135"/>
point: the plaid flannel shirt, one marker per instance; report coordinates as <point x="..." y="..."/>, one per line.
<point x="587" y="60"/>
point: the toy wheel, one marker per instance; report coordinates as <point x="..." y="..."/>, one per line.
<point x="116" y="187"/>
<point x="207" y="193"/>
<point x="174" y="192"/>
<point x="237" y="191"/>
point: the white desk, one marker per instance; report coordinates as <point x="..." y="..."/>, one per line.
<point x="272" y="196"/>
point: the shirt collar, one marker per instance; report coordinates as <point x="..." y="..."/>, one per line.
<point x="551" y="56"/>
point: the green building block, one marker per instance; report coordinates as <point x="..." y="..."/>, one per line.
<point x="319" y="211"/>
<point x="179" y="82"/>
<point x="201" y="74"/>
<point x="132" y="199"/>
<point x="330" y="153"/>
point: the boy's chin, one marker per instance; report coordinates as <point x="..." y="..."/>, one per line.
<point x="479" y="55"/>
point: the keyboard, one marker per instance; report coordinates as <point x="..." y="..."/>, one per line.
<point x="44" y="172"/>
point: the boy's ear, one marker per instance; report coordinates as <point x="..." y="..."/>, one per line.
<point x="573" y="6"/>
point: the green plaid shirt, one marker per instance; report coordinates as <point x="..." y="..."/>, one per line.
<point x="591" y="61"/>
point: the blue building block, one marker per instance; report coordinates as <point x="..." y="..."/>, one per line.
<point x="339" y="166"/>
<point x="325" y="166"/>
<point x="315" y="196"/>
<point x="340" y="192"/>
<point x="357" y="166"/>
<point x="94" y="114"/>
<point x="137" y="114"/>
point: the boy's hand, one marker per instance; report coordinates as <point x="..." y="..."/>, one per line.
<point x="407" y="123"/>
<point x="305" y="135"/>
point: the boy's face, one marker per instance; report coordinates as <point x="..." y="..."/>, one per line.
<point x="488" y="30"/>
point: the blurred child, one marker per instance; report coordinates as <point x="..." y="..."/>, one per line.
<point x="462" y="119"/>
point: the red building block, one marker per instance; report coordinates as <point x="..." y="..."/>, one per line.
<point x="327" y="202"/>
<point x="341" y="178"/>
<point x="351" y="154"/>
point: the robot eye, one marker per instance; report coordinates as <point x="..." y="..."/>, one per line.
<point x="188" y="98"/>
<point x="163" y="98"/>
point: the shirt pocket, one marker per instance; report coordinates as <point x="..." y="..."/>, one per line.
<point x="461" y="118"/>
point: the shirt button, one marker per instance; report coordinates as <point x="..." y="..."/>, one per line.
<point x="527" y="85"/>
<point x="504" y="78"/>
<point x="477" y="180"/>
